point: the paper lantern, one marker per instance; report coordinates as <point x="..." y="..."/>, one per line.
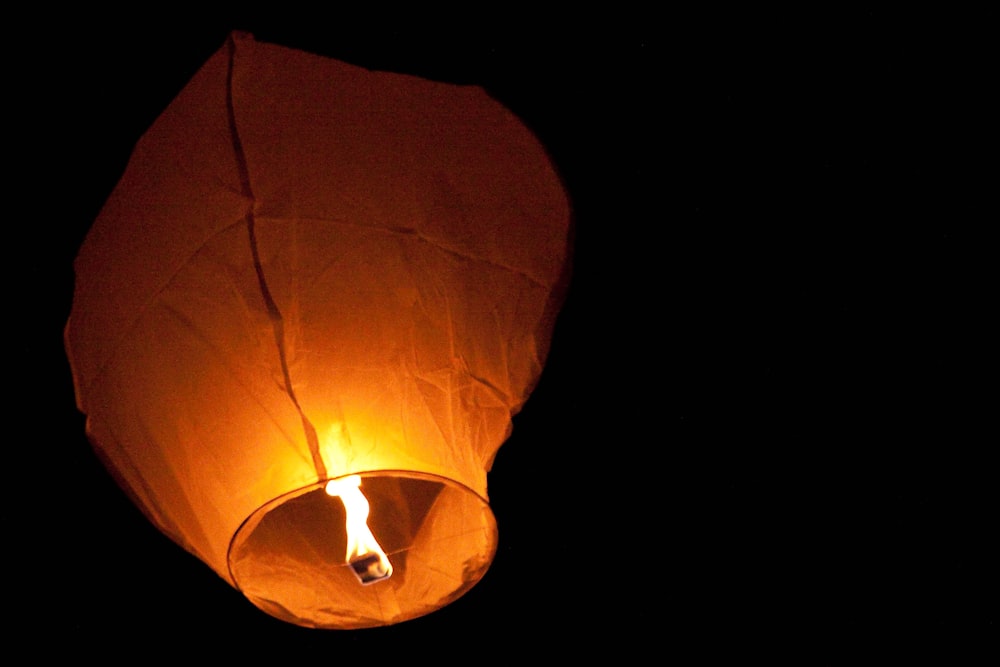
<point x="314" y="272"/>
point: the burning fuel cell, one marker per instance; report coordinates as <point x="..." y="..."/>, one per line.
<point x="370" y="568"/>
<point x="365" y="556"/>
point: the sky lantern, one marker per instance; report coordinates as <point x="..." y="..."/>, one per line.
<point x="304" y="319"/>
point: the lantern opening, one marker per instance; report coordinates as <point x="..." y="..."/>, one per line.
<point x="291" y="559"/>
<point x="366" y="557"/>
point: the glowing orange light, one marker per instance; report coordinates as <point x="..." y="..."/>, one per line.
<point x="364" y="554"/>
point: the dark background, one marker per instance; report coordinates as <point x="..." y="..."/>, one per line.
<point x="770" y="349"/>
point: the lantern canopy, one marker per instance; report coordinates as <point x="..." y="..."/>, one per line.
<point x="311" y="272"/>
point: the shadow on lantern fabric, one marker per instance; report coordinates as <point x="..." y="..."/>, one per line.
<point x="310" y="270"/>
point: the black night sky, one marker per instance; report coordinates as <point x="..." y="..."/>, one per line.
<point x="767" y="352"/>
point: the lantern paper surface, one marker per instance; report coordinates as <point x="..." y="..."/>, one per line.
<point x="310" y="270"/>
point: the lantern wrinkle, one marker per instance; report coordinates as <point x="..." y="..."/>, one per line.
<point x="413" y="233"/>
<point x="184" y="168"/>
<point x="160" y="506"/>
<point x="220" y="357"/>
<point x="431" y="567"/>
<point x="499" y="393"/>
<point x="155" y="296"/>
<point x="468" y="256"/>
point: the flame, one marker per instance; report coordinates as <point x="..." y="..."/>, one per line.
<point x="366" y="557"/>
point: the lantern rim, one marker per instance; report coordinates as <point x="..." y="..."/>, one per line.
<point x="461" y="544"/>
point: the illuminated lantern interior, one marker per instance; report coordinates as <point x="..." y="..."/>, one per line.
<point x="304" y="319"/>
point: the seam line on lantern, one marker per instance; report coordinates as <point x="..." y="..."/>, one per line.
<point x="474" y="258"/>
<point x="273" y="312"/>
<point x="416" y="233"/>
